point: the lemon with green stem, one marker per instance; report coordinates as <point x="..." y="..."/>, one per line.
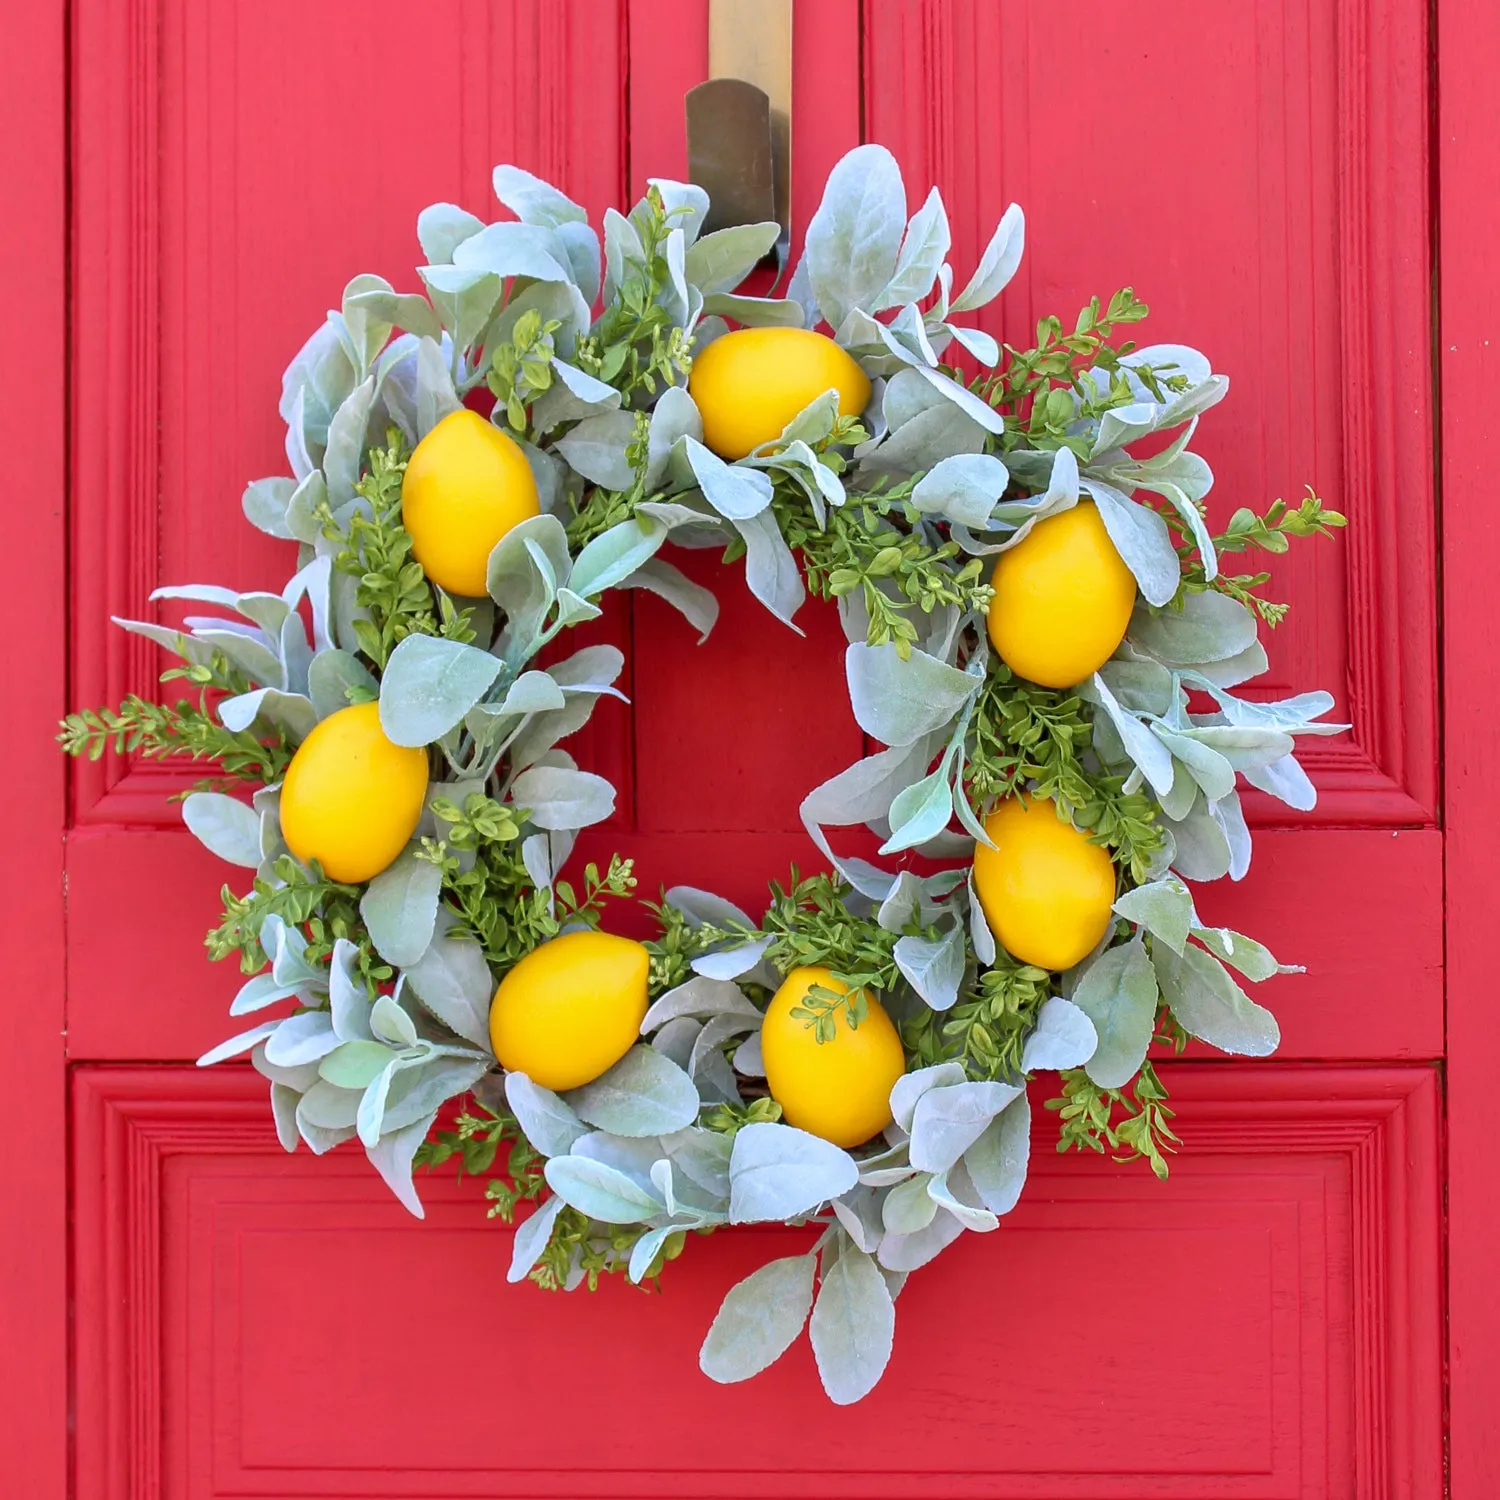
<point x="840" y="1088"/>
<point x="749" y="384"/>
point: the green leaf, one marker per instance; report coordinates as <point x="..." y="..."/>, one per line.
<point x="600" y="1191"/>
<point x="353" y="1065"/>
<point x="934" y="967"/>
<point x="531" y="1239"/>
<point x="1118" y="993"/>
<point x="400" y="908"/>
<point x="560" y="798"/>
<point x="897" y="700"/>
<point x="735" y="491"/>
<point x="718" y="262"/>
<point x="1209" y="627"/>
<point x="1253" y="960"/>
<point x="611" y="558"/>
<point x="852" y="1328"/>
<point x="920" y="812"/>
<point x="963" y="488"/>
<point x="950" y="1118"/>
<point x="777" y="1172"/>
<point x="442" y="228"/>
<point x="1211" y="1006"/>
<point x="644" y="1094"/>
<point x="997" y="1161"/>
<point x="546" y="1120"/>
<point x="1063" y="1037"/>
<point x="1163" y="907"/>
<point x="1001" y="258"/>
<point x="534" y="201"/>
<point x="759" y="1320"/>
<point x="429" y="685"/>
<point x="224" y="826"/>
<point x="855" y="236"/>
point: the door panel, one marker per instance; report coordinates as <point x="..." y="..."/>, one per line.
<point x="234" y="167"/>
<point x="1264" y="1324"/>
<point x="1256" y="171"/>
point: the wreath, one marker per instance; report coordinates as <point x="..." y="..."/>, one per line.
<point x="1040" y="632"/>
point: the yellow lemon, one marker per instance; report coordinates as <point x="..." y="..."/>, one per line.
<point x="839" y="1089"/>
<point x="1063" y="598"/>
<point x="466" y="485"/>
<point x="750" y="383"/>
<point x="351" y="799"/>
<point x="1045" y="889"/>
<point x="571" y="1009"/>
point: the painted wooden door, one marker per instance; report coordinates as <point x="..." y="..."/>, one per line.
<point x="1268" y="1323"/>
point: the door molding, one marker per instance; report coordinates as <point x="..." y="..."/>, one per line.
<point x="1371" y="1135"/>
<point x="1385" y="772"/>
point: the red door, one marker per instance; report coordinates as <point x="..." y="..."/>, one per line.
<point x="191" y="1313"/>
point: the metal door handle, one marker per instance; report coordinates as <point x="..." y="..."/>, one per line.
<point x="739" y="123"/>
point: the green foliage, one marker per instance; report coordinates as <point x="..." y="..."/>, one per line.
<point x="493" y="895"/>
<point x="376" y="549"/>
<point x="521" y="370"/>
<point x="635" y="346"/>
<point x="878" y="545"/>
<point x="297" y="895"/>
<point x="728" y="1118"/>
<point x="475" y="1142"/>
<point x="809" y="923"/>
<point x="1142" y="1130"/>
<point x="1024" y="735"/>
<point x="986" y="1029"/>
<point x="601" y="508"/>
<point x="579" y="1245"/>
<point x="1036" y="387"/>
<point x="156" y="730"/>
<point x="1248" y="532"/>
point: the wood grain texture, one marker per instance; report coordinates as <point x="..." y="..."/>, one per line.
<point x="1468" y="37"/>
<point x="1279" y="224"/>
<point x="1301" y="1226"/>
<point x="33" y="1225"/>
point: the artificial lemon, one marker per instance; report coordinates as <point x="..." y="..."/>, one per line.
<point x="1063" y="598"/>
<point x="466" y="485"/>
<point x="351" y="799"/>
<point x="571" y="1009"/>
<point x="839" y="1089"/>
<point x="1045" y="889"/>
<point x="749" y="384"/>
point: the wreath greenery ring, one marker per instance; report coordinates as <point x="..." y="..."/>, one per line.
<point x="1039" y="630"/>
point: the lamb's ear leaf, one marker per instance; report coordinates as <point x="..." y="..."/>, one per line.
<point x="225" y="826"/>
<point x="1118" y="993"/>
<point x="429" y="685"/>
<point x="853" y="1326"/>
<point x="759" y="1320"/>
<point x="854" y="238"/>
<point x="1211" y="1006"/>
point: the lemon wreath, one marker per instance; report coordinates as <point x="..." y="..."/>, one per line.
<point x="1039" y="631"/>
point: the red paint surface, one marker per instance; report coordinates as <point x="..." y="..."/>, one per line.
<point x="34" y="1403"/>
<point x="1469" y="182"/>
<point x="1266" y="1324"/>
